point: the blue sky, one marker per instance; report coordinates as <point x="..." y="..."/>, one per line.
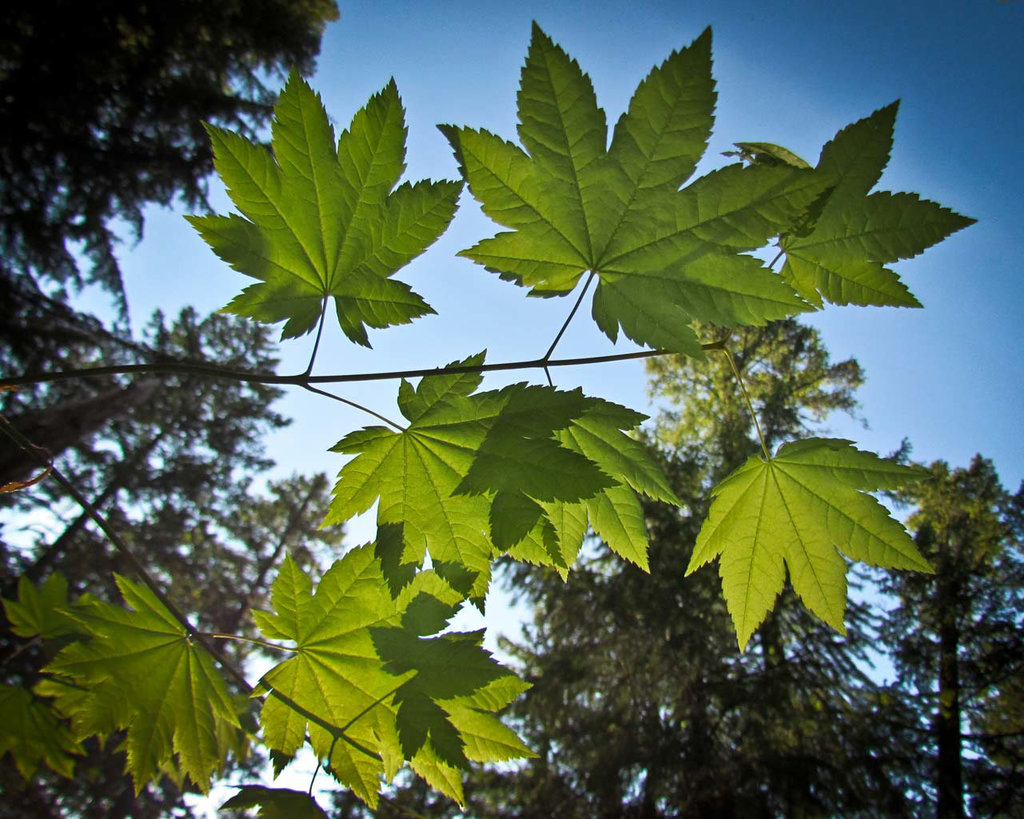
<point x="948" y="377"/>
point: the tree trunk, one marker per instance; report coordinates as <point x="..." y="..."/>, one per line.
<point x="949" y="770"/>
<point x="56" y="428"/>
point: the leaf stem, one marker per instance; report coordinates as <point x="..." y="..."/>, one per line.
<point x="371" y="706"/>
<point x="569" y="318"/>
<point x="254" y="640"/>
<point x="319" y="332"/>
<point x="353" y="404"/>
<point x="330" y="728"/>
<point x="750" y="405"/>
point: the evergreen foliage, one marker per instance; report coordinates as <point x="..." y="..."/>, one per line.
<point x="103" y="104"/>
<point x="956" y="640"/>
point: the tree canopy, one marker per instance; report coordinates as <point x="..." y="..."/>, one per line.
<point x="956" y="640"/>
<point x="103" y="105"/>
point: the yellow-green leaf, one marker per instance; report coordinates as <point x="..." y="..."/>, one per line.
<point x="802" y="510"/>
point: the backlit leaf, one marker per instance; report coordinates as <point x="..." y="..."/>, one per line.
<point x="802" y="510"/>
<point x="365" y="682"/>
<point x="139" y="671"/>
<point x="663" y="257"/>
<point x="497" y="467"/>
<point x="32" y="733"/>
<point x="842" y="258"/>
<point x="322" y="221"/>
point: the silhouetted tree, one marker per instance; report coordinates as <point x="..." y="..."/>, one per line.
<point x="102" y="105"/>
<point x="957" y="640"/>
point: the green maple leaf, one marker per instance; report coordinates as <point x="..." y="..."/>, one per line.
<point x="41" y="612"/>
<point x="415" y="473"/>
<point x="663" y="257"/>
<point x="139" y="671"/>
<point x="31" y="732"/>
<point x="803" y="509"/>
<point x="421" y="714"/>
<point x="614" y="512"/>
<point x="323" y="221"/>
<point x="469" y="468"/>
<point x="842" y="258"/>
<point x="365" y="709"/>
<point x="516" y="467"/>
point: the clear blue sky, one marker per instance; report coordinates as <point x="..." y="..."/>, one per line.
<point x="948" y="377"/>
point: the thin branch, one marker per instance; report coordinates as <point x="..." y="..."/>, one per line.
<point x="302" y="380"/>
<point x="565" y="324"/>
<point x="37" y="640"/>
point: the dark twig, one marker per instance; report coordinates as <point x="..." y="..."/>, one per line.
<point x="302" y="380"/>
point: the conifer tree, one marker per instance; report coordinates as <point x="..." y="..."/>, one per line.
<point x="103" y="104"/>
<point x="956" y="641"/>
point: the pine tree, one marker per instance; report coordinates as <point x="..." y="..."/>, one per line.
<point x="103" y="104"/>
<point x="956" y="639"/>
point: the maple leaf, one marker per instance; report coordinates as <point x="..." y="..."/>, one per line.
<point x="31" y="732"/>
<point x="139" y="671"/>
<point x="323" y="221"/>
<point x="803" y="510"/>
<point x="42" y="612"/>
<point x="663" y="257"/>
<point x="614" y="512"/>
<point x="842" y="258"/>
<point x="414" y="473"/>
<point x="514" y="467"/>
<point x="367" y="708"/>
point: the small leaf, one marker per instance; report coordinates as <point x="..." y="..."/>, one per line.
<point x="32" y="733"/>
<point x="42" y="612"/>
<point x="320" y="221"/>
<point x="841" y="258"/>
